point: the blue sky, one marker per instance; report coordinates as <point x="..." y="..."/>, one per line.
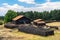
<point x="28" y="5"/>
<point x="11" y="2"/>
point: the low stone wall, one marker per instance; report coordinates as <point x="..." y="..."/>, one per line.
<point x="40" y="24"/>
<point x="28" y="28"/>
<point x="11" y="26"/>
<point x="36" y="30"/>
<point x="55" y="27"/>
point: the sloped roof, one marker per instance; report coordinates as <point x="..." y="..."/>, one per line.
<point x="37" y="20"/>
<point x="41" y="22"/>
<point x="18" y="17"/>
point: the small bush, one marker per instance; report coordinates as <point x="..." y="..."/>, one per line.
<point x="1" y="23"/>
<point x="9" y="16"/>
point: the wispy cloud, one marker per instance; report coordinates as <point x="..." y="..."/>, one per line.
<point x="27" y="1"/>
<point x="47" y="0"/>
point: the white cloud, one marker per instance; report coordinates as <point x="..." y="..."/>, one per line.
<point x="47" y="0"/>
<point x="39" y="7"/>
<point x="7" y="7"/>
<point x="27" y="1"/>
<point x="15" y="6"/>
<point x="49" y="6"/>
<point x="2" y="11"/>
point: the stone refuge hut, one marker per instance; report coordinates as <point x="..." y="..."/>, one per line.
<point x="21" y="19"/>
<point x="39" y="22"/>
<point x="17" y="21"/>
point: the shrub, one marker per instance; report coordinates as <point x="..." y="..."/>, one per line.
<point x="1" y="23"/>
<point x="9" y="16"/>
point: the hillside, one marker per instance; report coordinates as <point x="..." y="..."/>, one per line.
<point x="13" y="34"/>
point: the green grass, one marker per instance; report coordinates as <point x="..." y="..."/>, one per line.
<point x="1" y="21"/>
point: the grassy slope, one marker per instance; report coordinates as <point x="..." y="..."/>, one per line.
<point x="13" y="34"/>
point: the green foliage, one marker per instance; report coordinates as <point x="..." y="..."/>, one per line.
<point x="29" y="15"/>
<point x="1" y="17"/>
<point x="1" y="23"/>
<point x="9" y="16"/>
<point x="55" y="14"/>
<point x="52" y="15"/>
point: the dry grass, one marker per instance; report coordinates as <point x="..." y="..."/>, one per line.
<point x="54" y="24"/>
<point x="13" y="34"/>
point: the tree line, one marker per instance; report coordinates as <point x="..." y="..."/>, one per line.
<point x="45" y="15"/>
<point x="1" y="17"/>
